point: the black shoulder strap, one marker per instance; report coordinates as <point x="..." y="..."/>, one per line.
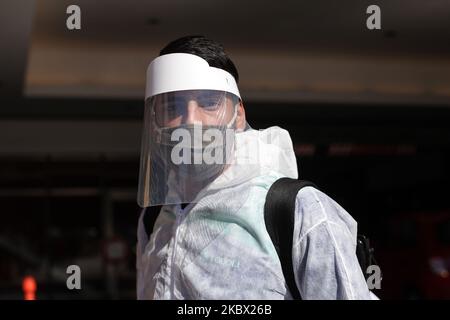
<point x="149" y="219"/>
<point x="150" y="216"/>
<point x="279" y="210"/>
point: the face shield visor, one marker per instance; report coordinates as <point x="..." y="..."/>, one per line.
<point x="189" y="129"/>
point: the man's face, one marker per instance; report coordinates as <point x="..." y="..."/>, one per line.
<point x="208" y="107"/>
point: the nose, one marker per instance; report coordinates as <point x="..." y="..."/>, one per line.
<point x="193" y="113"/>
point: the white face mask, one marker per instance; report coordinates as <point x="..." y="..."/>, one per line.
<point x="199" y="153"/>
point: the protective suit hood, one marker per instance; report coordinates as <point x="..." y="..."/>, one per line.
<point x="258" y="153"/>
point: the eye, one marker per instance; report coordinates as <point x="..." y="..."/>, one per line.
<point x="172" y="111"/>
<point x="211" y="103"/>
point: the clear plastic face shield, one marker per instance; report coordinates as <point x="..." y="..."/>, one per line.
<point x="189" y="129"/>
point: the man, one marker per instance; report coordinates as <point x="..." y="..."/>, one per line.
<point x="209" y="172"/>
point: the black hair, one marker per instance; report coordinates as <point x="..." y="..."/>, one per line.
<point x="213" y="52"/>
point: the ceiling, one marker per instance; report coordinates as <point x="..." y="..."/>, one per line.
<point x="285" y="51"/>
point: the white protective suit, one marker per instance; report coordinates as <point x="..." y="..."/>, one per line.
<point x="218" y="247"/>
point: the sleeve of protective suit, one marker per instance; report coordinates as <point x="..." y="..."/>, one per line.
<point x="324" y="250"/>
<point x="142" y="239"/>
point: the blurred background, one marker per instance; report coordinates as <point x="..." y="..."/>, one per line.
<point x="368" y="111"/>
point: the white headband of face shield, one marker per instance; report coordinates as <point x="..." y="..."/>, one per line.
<point x="183" y="71"/>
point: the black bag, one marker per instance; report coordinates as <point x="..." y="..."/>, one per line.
<point x="279" y="215"/>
